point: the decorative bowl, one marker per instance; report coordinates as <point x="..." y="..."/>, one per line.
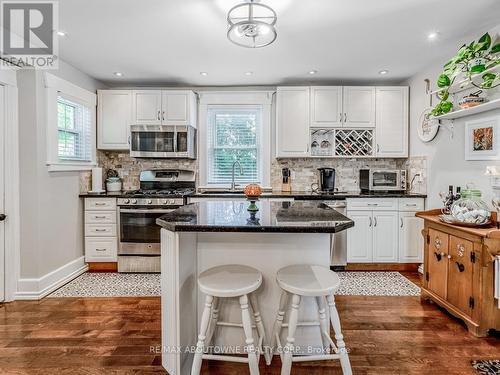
<point x="253" y="191"/>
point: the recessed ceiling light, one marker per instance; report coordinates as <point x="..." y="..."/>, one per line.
<point x="383" y="72"/>
<point x="433" y="35"/>
<point x="62" y="33"/>
<point x="248" y="73"/>
<point x="204" y="74"/>
<point x="312" y="72"/>
<point x="118" y="74"/>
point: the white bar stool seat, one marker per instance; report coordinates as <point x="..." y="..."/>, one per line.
<point x="320" y="282"/>
<point x="230" y="281"/>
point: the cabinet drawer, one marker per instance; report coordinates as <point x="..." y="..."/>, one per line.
<point x="372" y="204"/>
<point x="100" y="230"/>
<point x="98" y="217"/>
<point x="100" y="249"/>
<point x="411" y="204"/>
<point x="105" y="204"/>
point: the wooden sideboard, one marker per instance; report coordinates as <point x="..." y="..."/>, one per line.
<point x="459" y="271"/>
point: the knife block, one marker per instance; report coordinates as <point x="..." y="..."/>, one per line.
<point x="286" y="187"/>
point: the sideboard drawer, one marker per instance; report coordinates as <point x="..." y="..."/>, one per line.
<point x="105" y="204"/>
<point x="100" y="217"/>
<point x="100" y="249"/>
<point x="100" y="230"/>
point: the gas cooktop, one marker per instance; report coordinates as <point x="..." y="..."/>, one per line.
<point x="144" y="193"/>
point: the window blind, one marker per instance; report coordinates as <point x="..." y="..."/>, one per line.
<point x="74" y="125"/>
<point x="233" y="134"/>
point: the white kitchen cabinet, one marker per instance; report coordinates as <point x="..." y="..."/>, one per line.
<point x="114" y="117"/>
<point x="359" y="237"/>
<point x="392" y="121"/>
<point x="326" y="106"/>
<point x="101" y="239"/>
<point x="385" y="237"/>
<point x="146" y="108"/>
<point x="292" y="121"/>
<point x="411" y="241"/>
<point x="359" y="106"/>
<point x="178" y="108"/>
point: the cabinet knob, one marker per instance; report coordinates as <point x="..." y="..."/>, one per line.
<point x="449" y="256"/>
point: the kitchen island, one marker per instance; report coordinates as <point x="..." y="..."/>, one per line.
<point x="211" y="233"/>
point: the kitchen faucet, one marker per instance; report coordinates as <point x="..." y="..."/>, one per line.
<point x="233" y="184"/>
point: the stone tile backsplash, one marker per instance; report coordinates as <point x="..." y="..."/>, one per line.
<point x="304" y="171"/>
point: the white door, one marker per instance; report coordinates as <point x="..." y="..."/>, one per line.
<point x="326" y="106"/>
<point x="114" y="117"/>
<point x="147" y="107"/>
<point x="411" y="241"/>
<point x="292" y="121"/>
<point x="359" y="106"/>
<point x="359" y="237"/>
<point x="175" y="108"/>
<point x="3" y="109"/>
<point x="392" y="122"/>
<point x="385" y="236"/>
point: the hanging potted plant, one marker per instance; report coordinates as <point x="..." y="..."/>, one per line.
<point x="470" y="60"/>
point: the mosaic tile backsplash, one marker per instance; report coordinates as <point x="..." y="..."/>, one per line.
<point x="304" y="171"/>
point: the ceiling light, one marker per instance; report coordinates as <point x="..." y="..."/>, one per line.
<point x="248" y="73"/>
<point x="251" y="24"/>
<point x="383" y="72"/>
<point x="433" y="35"/>
<point x="118" y="74"/>
<point x="62" y="33"/>
<point x="203" y="74"/>
<point x="312" y="72"/>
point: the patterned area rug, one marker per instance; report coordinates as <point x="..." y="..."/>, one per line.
<point x="111" y="285"/>
<point x="488" y="367"/>
<point x="376" y="284"/>
<point x="146" y="285"/>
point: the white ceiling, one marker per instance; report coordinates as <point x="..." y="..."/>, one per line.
<point x="172" y="41"/>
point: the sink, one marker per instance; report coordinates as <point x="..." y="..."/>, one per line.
<point x="214" y="192"/>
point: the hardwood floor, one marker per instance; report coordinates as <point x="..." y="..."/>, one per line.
<point x="386" y="335"/>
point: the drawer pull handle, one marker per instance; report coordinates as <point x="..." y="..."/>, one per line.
<point x="461" y="267"/>
<point x="100" y="249"/>
<point x="374" y="221"/>
<point x="401" y="222"/>
<point x="372" y="204"/>
<point x="370" y="224"/>
<point x="411" y="204"/>
<point x="100" y="230"/>
<point x="100" y="204"/>
<point x="99" y="217"/>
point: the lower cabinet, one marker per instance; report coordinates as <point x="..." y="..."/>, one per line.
<point x="385" y="231"/>
<point x="101" y="241"/>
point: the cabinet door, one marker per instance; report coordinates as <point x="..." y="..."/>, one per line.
<point x="147" y="107"/>
<point x="175" y="108"/>
<point x="411" y="242"/>
<point x="359" y="106"/>
<point x="326" y="106"/>
<point x="385" y="236"/>
<point x="460" y="273"/>
<point x="392" y="121"/>
<point x="114" y="117"/>
<point x="437" y="262"/>
<point x="359" y="237"/>
<point x="292" y="122"/>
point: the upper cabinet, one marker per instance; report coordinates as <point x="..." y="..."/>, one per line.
<point x="392" y="122"/>
<point x="114" y="115"/>
<point x="292" y="121"/>
<point x="118" y="109"/>
<point x="359" y="106"/>
<point x="326" y="106"/>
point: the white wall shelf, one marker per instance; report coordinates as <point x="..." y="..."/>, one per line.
<point x="488" y="106"/>
<point x="465" y="84"/>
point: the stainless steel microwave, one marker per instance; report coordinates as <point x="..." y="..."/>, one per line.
<point x="162" y="141"/>
<point x="382" y="179"/>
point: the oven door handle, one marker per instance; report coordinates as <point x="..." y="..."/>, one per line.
<point x="145" y="211"/>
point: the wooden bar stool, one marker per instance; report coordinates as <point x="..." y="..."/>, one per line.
<point x="230" y="281"/>
<point x="309" y="281"/>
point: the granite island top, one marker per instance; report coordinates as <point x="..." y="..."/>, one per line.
<point x="272" y="217"/>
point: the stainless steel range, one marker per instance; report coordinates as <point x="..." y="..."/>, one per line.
<point x="161" y="191"/>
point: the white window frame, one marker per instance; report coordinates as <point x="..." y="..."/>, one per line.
<point x="262" y="99"/>
<point x="55" y="86"/>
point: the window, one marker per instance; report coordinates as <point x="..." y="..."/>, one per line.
<point x="74" y="128"/>
<point x="233" y="135"/>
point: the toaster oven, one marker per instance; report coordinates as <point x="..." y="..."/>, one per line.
<point x="382" y="180"/>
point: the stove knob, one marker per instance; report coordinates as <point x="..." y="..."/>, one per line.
<point x="165" y="201"/>
<point x="126" y="201"/>
<point x="149" y="201"/>
<point x="134" y="201"/>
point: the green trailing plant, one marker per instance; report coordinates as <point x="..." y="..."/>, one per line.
<point x="471" y="59"/>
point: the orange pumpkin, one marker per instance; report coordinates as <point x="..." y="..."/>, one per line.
<point x="253" y="191"/>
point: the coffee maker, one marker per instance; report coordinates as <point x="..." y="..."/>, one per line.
<point x="326" y="179"/>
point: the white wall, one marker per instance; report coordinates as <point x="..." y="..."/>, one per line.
<point x="51" y="217"/>
<point x="446" y="164"/>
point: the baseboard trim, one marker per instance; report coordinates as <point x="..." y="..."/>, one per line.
<point x="35" y="289"/>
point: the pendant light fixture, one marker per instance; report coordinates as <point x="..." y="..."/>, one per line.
<point x="251" y="24"/>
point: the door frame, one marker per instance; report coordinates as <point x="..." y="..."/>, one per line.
<point x="8" y="79"/>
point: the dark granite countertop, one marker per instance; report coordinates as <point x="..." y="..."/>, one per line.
<point x="232" y="216"/>
<point x="300" y="195"/>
